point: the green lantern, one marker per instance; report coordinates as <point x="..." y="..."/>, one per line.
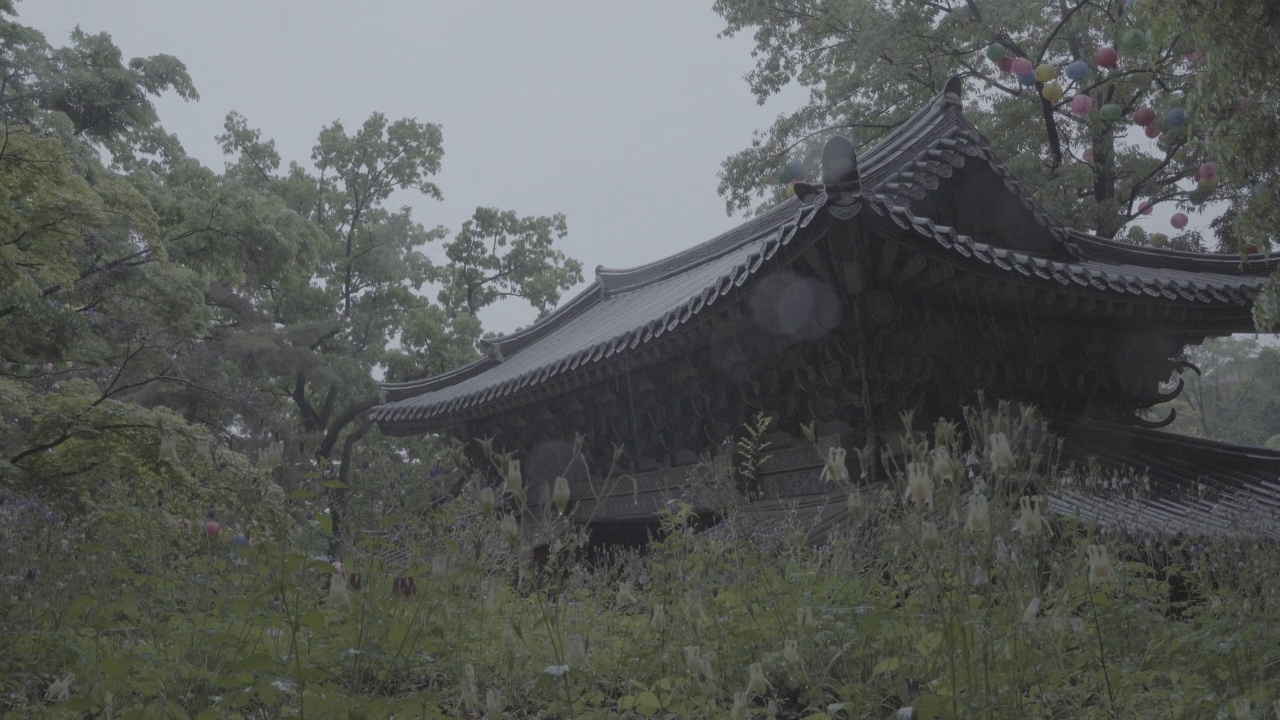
<point x="1111" y="112"/>
<point x="995" y="51"/>
<point x="1134" y="41"/>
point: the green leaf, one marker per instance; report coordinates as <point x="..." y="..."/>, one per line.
<point x="258" y="662"/>
<point x="647" y="703"/>
<point x="887" y="665"/>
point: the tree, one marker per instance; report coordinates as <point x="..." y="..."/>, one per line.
<point x="868" y="64"/>
<point x="1234" y="397"/>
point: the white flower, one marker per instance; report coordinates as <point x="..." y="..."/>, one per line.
<point x="625" y="596"/>
<point x="493" y="705"/>
<point x="283" y="685"/>
<point x="659" y="617"/>
<point x="557" y="671"/>
<point x="204" y="451"/>
<point x="560" y="495"/>
<point x="791" y="652"/>
<point x="856" y="506"/>
<point x="999" y="454"/>
<point x="1099" y="564"/>
<point x="1033" y="609"/>
<point x="486" y="500"/>
<point x="59" y="690"/>
<point x="1030" y="518"/>
<point x="804" y="618"/>
<point x="578" y="652"/>
<point x="919" y="485"/>
<point x="834" y="468"/>
<point x="338" y="591"/>
<point x="979" y="518"/>
<point x="510" y="531"/>
<point x="1242" y="709"/>
<point x="905" y="713"/>
<point x="739" y="709"/>
<point x="946" y="469"/>
<point x="756" y="682"/>
<point x="470" y="693"/>
<point x="515" y="481"/>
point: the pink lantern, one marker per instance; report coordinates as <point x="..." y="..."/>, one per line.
<point x="1144" y="117"/>
<point x="1209" y="171"/>
<point x="1005" y="63"/>
<point x="1082" y="104"/>
<point x="1088" y="154"/>
<point x="1179" y="220"/>
<point x="1145" y="208"/>
<point x="1023" y="66"/>
<point x="1152" y="131"/>
<point x="1107" y="57"/>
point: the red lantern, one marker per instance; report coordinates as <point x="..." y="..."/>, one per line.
<point x="1179" y="220"/>
<point x="1023" y="66"/>
<point x="1005" y="63"/>
<point x="1144" y="117"/>
<point x="212" y="528"/>
<point x="1152" y="131"/>
<point x="1145" y="208"/>
<point x="1107" y="57"/>
<point x="1088" y="154"/>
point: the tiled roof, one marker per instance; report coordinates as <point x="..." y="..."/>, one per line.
<point x="624" y="309"/>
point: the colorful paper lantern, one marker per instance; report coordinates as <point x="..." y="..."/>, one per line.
<point x="1046" y="72"/>
<point x="1145" y="207"/>
<point x="1111" y="112"/>
<point x="1258" y="188"/>
<point x="1152" y="131"/>
<point x="1179" y="220"/>
<point x="791" y="189"/>
<point x="796" y="168"/>
<point x="1136" y="233"/>
<point x="1107" y="57"/>
<point x="1082" y="104"/>
<point x="1027" y="80"/>
<point x="1177" y="117"/>
<point x="1134" y="41"/>
<point x="1159" y="239"/>
<point x="1052" y="92"/>
<point x="240" y="539"/>
<point x="212" y="528"/>
<point x="1077" y="71"/>
<point x="1023" y="66"/>
<point x="1005" y="63"/>
<point x="1208" y="171"/>
<point x="1088" y="154"/>
<point x="1144" y="117"/>
<point x="995" y="51"/>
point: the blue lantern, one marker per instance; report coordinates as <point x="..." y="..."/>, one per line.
<point x="1177" y="118"/>
<point x="1077" y="71"/>
<point x="1028" y="80"/>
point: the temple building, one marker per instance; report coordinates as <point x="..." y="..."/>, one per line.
<point x="911" y="277"/>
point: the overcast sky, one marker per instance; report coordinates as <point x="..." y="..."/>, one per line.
<point x="617" y="114"/>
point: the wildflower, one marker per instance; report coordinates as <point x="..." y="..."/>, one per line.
<point x="999" y="454"/>
<point x="1033" y="609"/>
<point x="905" y="713"/>
<point x="946" y="469"/>
<point x="739" y="709"/>
<point x="919" y="485"/>
<point x="756" y="683"/>
<point x="59" y="690"/>
<point x="515" y="481"/>
<point x="486" y="500"/>
<point x="771" y="710"/>
<point x="557" y="671"/>
<point x="470" y="694"/>
<point x="1242" y="709"/>
<point x="269" y="457"/>
<point x="1030" y="519"/>
<point x="791" y="652"/>
<point x="929" y="537"/>
<point x="693" y="611"/>
<point x="659" y="617"/>
<point x="338" y="592"/>
<point x="169" y="448"/>
<point x="204" y="451"/>
<point x="804" y="618"/>
<point x="510" y="532"/>
<point x="578" y="652"/>
<point x="625" y="596"/>
<point x="1099" y="564"/>
<point x="834" y="468"/>
<point x="979" y="518"/>
<point x="856" y="505"/>
<point x="493" y="705"/>
<point x="560" y="496"/>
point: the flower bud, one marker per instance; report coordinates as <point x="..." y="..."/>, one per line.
<point x="929" y="540"/>
<point x="1033" y="609"/>
<point x="486" y="500"/>
<point x="625" y="596"/>
<point x="756" y="683"/>
<point x="510" y="531"/>
<point x="514" y="481"/>
<point x="560" y="495"/>
<point x="791" y="652"/>
<point x="577" y="652"/>
<point x="857" y="506"/>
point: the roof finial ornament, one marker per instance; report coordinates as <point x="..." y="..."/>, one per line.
<point x="954" y="89"/>
<point x="840" y="180"/>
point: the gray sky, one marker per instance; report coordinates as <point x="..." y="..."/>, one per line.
<point x="615" y="113"/>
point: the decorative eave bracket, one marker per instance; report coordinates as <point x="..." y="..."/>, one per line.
<point x="840" y="182"/>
